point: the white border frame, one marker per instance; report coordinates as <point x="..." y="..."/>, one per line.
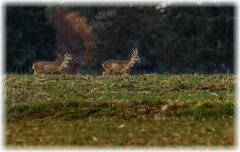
<point x="3" y="3"/>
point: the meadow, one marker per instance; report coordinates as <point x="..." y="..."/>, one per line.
<point x="138" y="110"/>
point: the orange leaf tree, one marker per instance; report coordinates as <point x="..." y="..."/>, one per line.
<point x="73" y="34"/>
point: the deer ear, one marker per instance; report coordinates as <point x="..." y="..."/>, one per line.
<point x="65" y="55"/>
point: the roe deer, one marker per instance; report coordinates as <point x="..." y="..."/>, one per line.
<point x="48" y="67"/>
<point x="112" y="66"/>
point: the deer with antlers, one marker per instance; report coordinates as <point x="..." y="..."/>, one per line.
<point x="48" y="67"/>
<point x="113" y="66"/>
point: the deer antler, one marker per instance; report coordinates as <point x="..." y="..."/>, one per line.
<point x="135" y="50"/>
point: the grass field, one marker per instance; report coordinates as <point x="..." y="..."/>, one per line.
<point x="144" y="110"/>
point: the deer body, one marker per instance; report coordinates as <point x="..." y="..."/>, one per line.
<point x="113" y="66"/>
<point x="48" y="67"/>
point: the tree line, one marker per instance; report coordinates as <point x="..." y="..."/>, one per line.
<point x="174" y="39"/>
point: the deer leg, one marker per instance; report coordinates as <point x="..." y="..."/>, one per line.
<point x="103" y="73"/>
<point x="106" y="72"/>
<point x="125" y="73"/>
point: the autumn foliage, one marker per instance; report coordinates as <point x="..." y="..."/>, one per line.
<point x="73" y="34"/>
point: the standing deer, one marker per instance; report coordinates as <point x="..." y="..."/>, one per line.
<point x="48" y="67"/>
<point x="113" y="66"/>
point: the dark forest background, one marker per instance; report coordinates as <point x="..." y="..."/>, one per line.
<point x="173" y="39"/>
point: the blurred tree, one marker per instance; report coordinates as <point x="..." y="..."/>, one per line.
<point x="198" y="38"/>
<point x="73" y="35"/>
<point x="28" y="37"/>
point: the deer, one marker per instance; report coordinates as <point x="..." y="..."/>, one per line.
<point x="51" y="67"/>
<point x="113" y="66"/>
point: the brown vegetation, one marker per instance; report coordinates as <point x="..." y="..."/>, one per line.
<point x="73" y="33"/>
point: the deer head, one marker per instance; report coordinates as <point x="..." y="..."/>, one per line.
<point x="66" y="60"/>
<point x="135" y="56"/>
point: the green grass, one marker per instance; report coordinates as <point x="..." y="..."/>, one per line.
<point x="146" y="110"/>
